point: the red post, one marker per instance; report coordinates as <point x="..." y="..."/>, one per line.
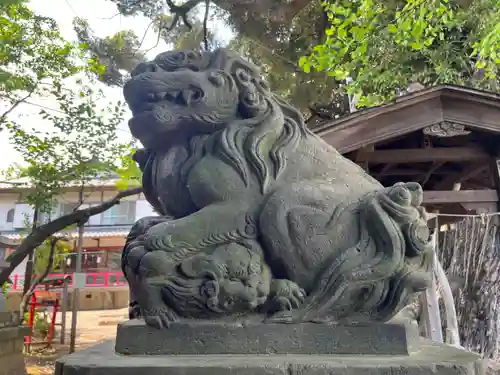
<point x="31" y="321"/>
<point x="14" y="282"/>
<point x="50" y="334"/>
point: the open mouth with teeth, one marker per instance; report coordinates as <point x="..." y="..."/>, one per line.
<point x="178" y="97"/>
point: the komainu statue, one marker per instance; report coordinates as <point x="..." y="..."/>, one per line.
<point x="259" y="218"/>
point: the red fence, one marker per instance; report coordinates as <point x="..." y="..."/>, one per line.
<point x="93" y="280"/>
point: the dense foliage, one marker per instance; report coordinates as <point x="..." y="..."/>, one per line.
<point x="275" y="44"/>
<point x="385" y="46"/>
<point x="33" y="56"/>
<point x="78" y="142"/>
<point x="72" y="143"/>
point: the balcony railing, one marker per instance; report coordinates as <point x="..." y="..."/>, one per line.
<point x="93" y="280"/>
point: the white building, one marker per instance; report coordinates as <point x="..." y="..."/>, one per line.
<point x="104" y="234"/>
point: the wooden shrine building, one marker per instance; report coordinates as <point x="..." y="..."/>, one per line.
<point x="447" y="138"/>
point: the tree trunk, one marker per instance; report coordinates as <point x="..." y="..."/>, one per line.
<point x="38" y="280"/>
<point x="41" y="233"/>
<point x="28" y="274"/>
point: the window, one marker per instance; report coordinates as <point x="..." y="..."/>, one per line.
<point x="67" y="208"/>
<point x="91" y="260"/>
<point x="113" y="260"/>
<point x="45" y="217"/>
<point x="10" y="215"/>
<point x="120" y="214"/>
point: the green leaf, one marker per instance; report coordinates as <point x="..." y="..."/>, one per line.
<point x="303" y="60"/>
<point x="417" y="46"/>
<point x="480" y="64"/>
<point x="392" y="28"/>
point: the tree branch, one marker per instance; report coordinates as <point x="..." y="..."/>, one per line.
<point x="181" y="11"/>
<point x="205" y="23"/>
<point x="285" y="12"/>
<point x="276" y="12"/>
<point x="41" y="233"/>
<point x="4" y="115"/>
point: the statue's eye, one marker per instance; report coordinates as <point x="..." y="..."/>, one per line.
<point x="216" y="78"/>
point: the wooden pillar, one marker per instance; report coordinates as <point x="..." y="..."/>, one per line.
<point x="495" y="173"/>
<point x="431" y="318"/>
<point x="365" y="164"/>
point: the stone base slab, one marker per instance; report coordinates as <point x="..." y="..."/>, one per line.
<point x="431" y="359"/>
<point x="206" y="337"/>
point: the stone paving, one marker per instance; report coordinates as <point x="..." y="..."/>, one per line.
<point x="93" y="327"/>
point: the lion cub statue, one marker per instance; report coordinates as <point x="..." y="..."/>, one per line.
<point x="259" y="218"/>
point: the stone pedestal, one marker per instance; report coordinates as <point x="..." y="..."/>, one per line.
<point x="258" y="349"/>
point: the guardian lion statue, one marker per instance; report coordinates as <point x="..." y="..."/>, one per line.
<point x="259" y="218"/>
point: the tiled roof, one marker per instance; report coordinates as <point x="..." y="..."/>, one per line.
<point x="5" y="241"/>
<point x="121" y="231"/>
<point x="25" y="183"/>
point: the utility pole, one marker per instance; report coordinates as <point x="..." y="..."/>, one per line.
<point x="78" y="282"/>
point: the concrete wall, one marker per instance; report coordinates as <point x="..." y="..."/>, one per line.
<point x="89" y="299"/>
<point x="11" y="345"/>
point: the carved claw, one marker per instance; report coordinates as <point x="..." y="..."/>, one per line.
<point x="158" y="238"/>
<point x="285" y="295"/>
<point x="159" y="317"/>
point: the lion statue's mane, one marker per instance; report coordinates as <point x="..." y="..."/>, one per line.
<point x="265" y="118"/>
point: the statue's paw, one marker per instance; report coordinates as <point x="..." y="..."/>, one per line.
<point x="158" y="238"/>
<point x="159" y="317"/>
<point x="285" y="295"/>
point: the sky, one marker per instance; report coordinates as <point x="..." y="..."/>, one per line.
<point x="103" y="20"/>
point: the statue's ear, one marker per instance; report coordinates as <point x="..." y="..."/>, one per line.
<point x="141" y="157"/>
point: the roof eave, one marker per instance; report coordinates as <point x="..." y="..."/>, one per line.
<point x="340" y="132"/>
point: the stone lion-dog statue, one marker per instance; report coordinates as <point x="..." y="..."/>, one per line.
<point x="258" y="217"/>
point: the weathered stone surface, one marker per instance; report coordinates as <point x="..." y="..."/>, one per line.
<point x="187" y="338"/>
<point x="9" y="319"/>
<point x="11" y="347"/>
<point x="431" y="359"/>
<point x="13" y="333"/>
<point x="257" y="213"/>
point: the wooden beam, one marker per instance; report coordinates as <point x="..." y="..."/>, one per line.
<point x="461" y="196"/>
<point x="400" y="172"/>
<point x="410" y="172"/>
<point x="386" y="168"/>
<point x="363" y="163"/>
<point x="444" y="154"/>
<point x="468" y="173"/>
<point x="435" y="166"/>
